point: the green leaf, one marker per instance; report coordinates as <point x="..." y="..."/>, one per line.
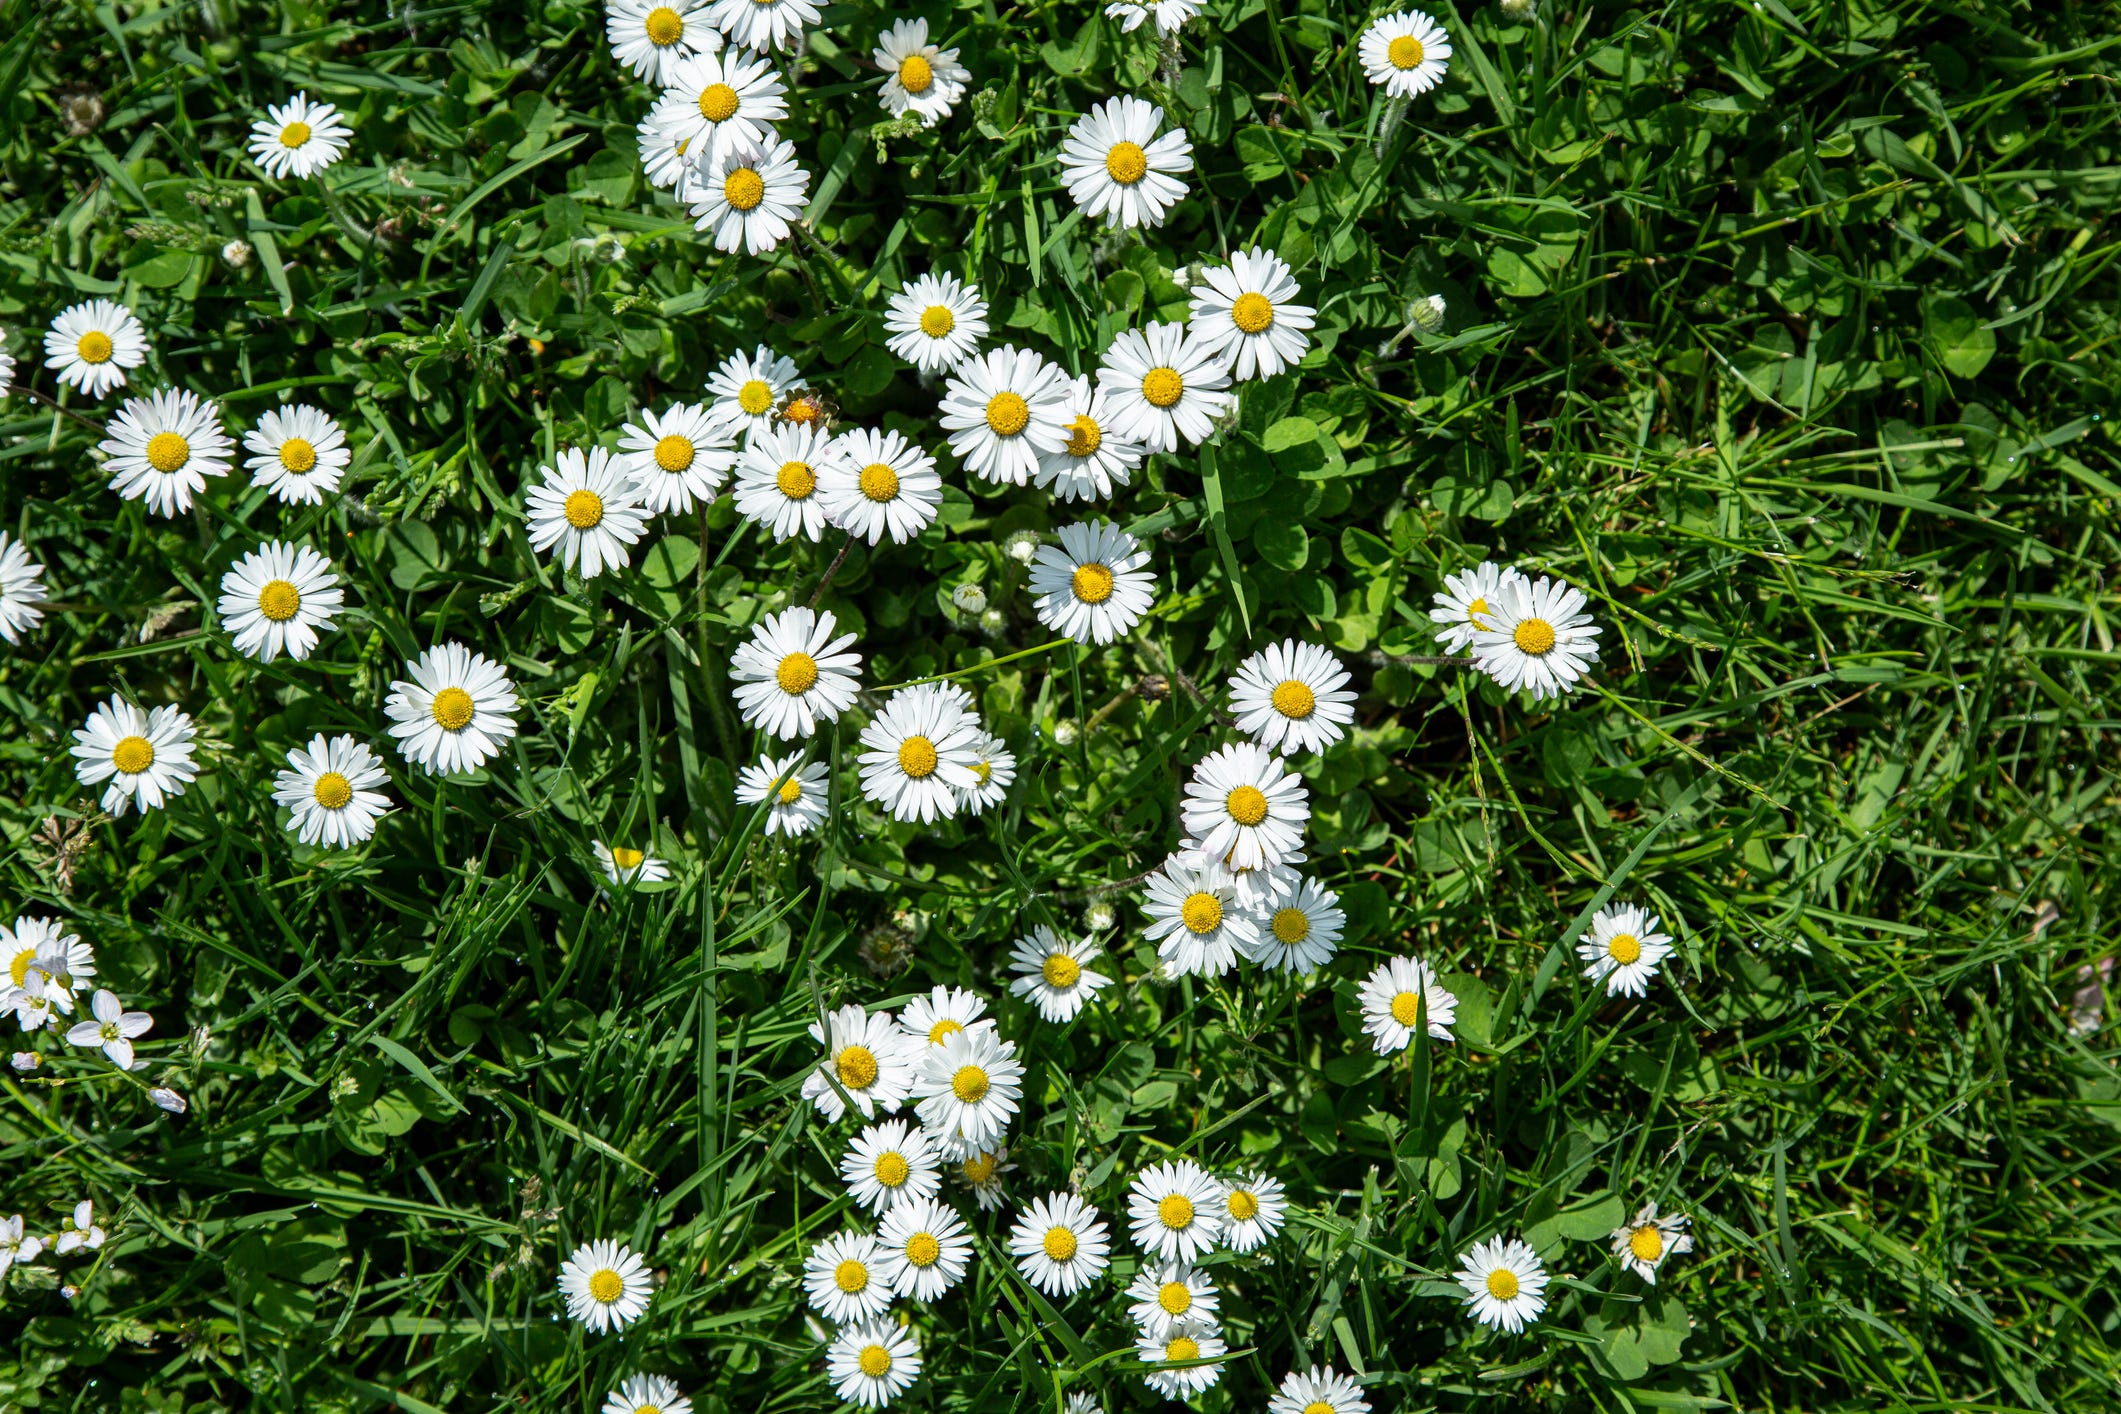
<point x="1282" y="544"/>
<point x="1956" y="335"/>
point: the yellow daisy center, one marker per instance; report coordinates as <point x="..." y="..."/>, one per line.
<point x="879" y="482"/>
<point x="875" y="1361"/>
<point x="624" y="858"/>
<point x="797" y="673"/>
<point x="1061" y="970"/>
<point x="674" y="453"/>
<point x="19" y="968"/>
<point x="796" y="480"/>
<point x="1092" y="583"/>
<point x="166" y="451"/>
<point x="1163" y="387"/>
<point x="1059" y="1243"/>
<point x="1474" y="610"/>
<point x="1175" y="1297"/>
<point x="297" y="455"/>
<point x="583" y="509"/>
<point x="1534" y="636"/>
<point x="1292" y="925"/>
<point x="1646" y="1242"/>
<point x="979" y="1168"/>
<point x="1201" y="913"/>
<point x="892" y="1169"/>
<point x="743" y="189"/>
<point x="1247" y="805"/>
<point x="1175" y="1211"/>
<point x="1084" y="437"/>
<point x="333" y="791"/>
<point x="937" y="320"/>
<point x="1126" y="163"/>
<point x="664" y="25"/>
<point x="1252" y="312"/>
<point x="294" y="135"/>
<point x="1406" y="1008"/>
<point x="606" y="1286"/>
<point x="915" y="74"/>
<point x="984" y="770"/>
<point x="851" y="1276"/>
<point x="755" y="397"/>
<point x="1319" y="1406"/>
<point x="922" y="1250"/>
<point x="1295" y="699"/>
<point x="1502" y="1284"/>
<point x="1405" y="52"/>
<point x="791" y="791"/>
<point x="969" y="1084"/>
<point x="1243" y="1206"/>
<point x="452" y="709"/>
<point x="802" y="409"/>
<point x="279" y="601"/>
<point x="1008" y="414"/>
<point x="1184" y="1348"/>
<point x="857" y="1067"/>
<point x="718" y="105"/>
<point x="1624" y="948"/>
<point x="94" y="347"/>
<point x="916" y="757"/>
<point x="943" y="1030"/>
<point x="133" y="754"/>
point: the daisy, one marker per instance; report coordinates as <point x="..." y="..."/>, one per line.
<point x="1242" y="313"/>
<point x="792" y="674"/>
<point x="1091" y="587"/>
<point x="920" y="77"/>
<point x="146" y="756"/>
<point x="798" y="793"/>
<point x="1115" y="165"/>
<point x="763" y="24"/>
<point x="1177" y="1210"/>
<point x="1256" y="1208"/>
<point x="628" y="866"/>
<point x="1301" y="932"/>
<point x="720" y="102"/>
<point x="113" y="1028"/>
<point x="297" y="453"/>
<point x="298" y="137"/>
<point x="455" y="713"/>
<point x="1052" y="974"/>
<point x="1393" y="998"/>
<point x="879" y="482"/>
<point x="91" y="344"/>
<point x="1187" y="1340"/>
<point x="589" y="507"/>
<point x="982" y="1173"/>
<point x="1255" y="891"/>
<point x="747" y="386"/>
<point x="37" y="951"/>
<point x="1503" y="1282"/>
<point x="1195" y="919"/>
<point x="1406" y="53"/>
<point x="7" y="365"/>
<point x="663" y="145"/>
<point x="78" y="1231"/>
<point x="1321" y="1391"/>
<point x="161" y="448"/>
<point x="777" y="479"/>
<point x="996" y="769"/>
<point x="1649" y="1241"/>
<point x="889" y="1164"/>
<point x="926" y="1248"/>
<point x="937" y="322"/>
<point x="678" y="458"/>
<point x="749" y="193"/>
<point x="1059" y="1244"/>
<point x="967" y="1091"/>
<point x="1464" y="604"/>
<point x="652" y="37"/>
<point x="1165" y="386"/>
<point x="274" y="600"/>
<point x="647" y="1394"/>
<point x="842" y="1278"/>
<point x="1095" y="458"/>
<point x="1245" y="803"/>
<point x="330" y="789"/>
<point x="1168" y="1294"/>
<point x="1624" y="950"/>
<point x="1004" y="409"/>
<point x="606" y="1286"/>
<point x="1292" y="697"/>
<point x="1539" y="637"/>
<point x="1170" y="15"/>
<point x="934" y="1017"/>
<point x="918" y="753"/>
<point x="864" y="1055"/>
<point x="17" y="1245"/>
<point x="21" y="589"/>
<point x="873" y="1362"/>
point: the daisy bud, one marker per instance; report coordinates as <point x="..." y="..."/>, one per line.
<point x="1022" y="545"/>
<point x="82" y="111"/>
<point x="1065" y="732"/>
<point x="1518" y="11"/>
<point x="236" y="253"/>
<point x="993" y="623"/>
<point x="969" y="599"/>
<point x="1098" y="916"/>
<point x="168" y="1099"/>
<point x="1426" y="313"/>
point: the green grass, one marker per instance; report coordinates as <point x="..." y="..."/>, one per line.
<point x="1787" y="331"/>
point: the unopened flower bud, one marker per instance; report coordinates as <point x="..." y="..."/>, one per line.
<point x="236" y="253"/>
<point x="969" y="599"/>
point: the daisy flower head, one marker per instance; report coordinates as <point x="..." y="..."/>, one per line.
<point x="606" y="1286"/>
<point x="967" y="1091"/>
<point x="111" y="1027"/>
<point x="982" y="1173"/>
<point x="1167" y="1294"/>
<point x="1465" y="604"/>
<point x="888" y="1164"/>
<point x="7" y="365"/>
<point x="1092" y="587"/>
<point x="1165" y="386"/>
<point x="91" y="345"/>
<point x="298" y="453"/>
<point x="1245" y="313"/>
<point x="274" y="600"/>
<point x="926" y="1248"/>
<point x="777" y="479"/>
<point x="454" y="713"/>
<point x="747" y="387"/>
<point x="621" y="865"/>
<point x="1503" y="1282"/>
<point x="877" y="483"/>
<point x="1096" y="457"/>
<point x="1004" y="409"/>
<point x="1254" y="1208"/>
<point x="652" y="37"/>
<point x="864" y="1054"/>
<point x="871" y="1362"/>
<point x="1186" y="1340"/>
<point x="1243" y="802"/>
<point x="996" y="768"/>
<point x="1624" y="949"/>
<point x="1195" y="919"/>
<point x="1405" y="53"/>
<point x="919" y="77"/>
<point x="1539" y="637"/>
<point x="1396" y="995"/>
<point x="918" y="753"/>
<point x="1299" y="931"/>
<point x="1318" y="1391"/>
<point x="678" y="458"/>
<point x="38" y="952"/>
<point x="331" y="791"/>
<point x="146" y="756"/>
<point x="1170" y="15"/>
<point x="1292" y="696"/>
<point x="1059" y="1244"/>
<point x="161" y="448"/>
<point x="588" y="507"/>
<point x="1053" y="974"/>
<point x="721" y="102"/>
<point x="936" y="322"/>
<point x="1176" y="1210"/>
<point x="934" y="1017"/>
<point x="842" y="1279"/>
<point x="298" y="138"/>
<point x="1116" y="167"/>
<point x="17" y="1245"/>
<point x="664" y="142"/>
<point x="749" y="192"/>
<point x="1649" y="1241"/>
<point x="647" y="1394"/>
<point x="792" y="674"/>
<point x="763" y="24"/>
<point x="798" y="792"/>
<point x="22" y="589"/>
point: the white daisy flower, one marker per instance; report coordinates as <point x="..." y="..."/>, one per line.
<point x="1624" y="949"/>
<point x="1170" y="15"/>
<point x="298" y="453"/>
<point x="932" y="1018"/>
<point x="330" y="789"/>
<point x="1292" y="696"/>
<point x="1169" y="1294"/>
<point x="799" y="793"/>
<point x="652" y="37"/>
<point x="1059" y="1244"/>
<point x="919" y="76"/>
<point x="1004" y="409"/>
<point x="996" y="769"/>
<point x="1321" y="1391"/>
<point x="1254" y="892"/>
<point x="298" y="138"/>
<point x="792" y="674"/>
<point x="455" y="713"/>
<point x="936" y="323"/>
<point x="864" y="1054"/>
<point x="1187" y="1340"/>
<point x="873" y="1362"/>
<point x="763" y="24"/>
<point x="1164" y="386"/>
<point x="647" y="1394"/>
<point x="1091" y="587"/>
<point x="22" y="589"/>
<point x="606" y="1286"/>
<point x="678" y="458"/>
<point x="1096" y="457"/>
<point x="1405" y="53"/>
<point x="1244" y="803"/>
<point x="967" y="1090"/>
<point x="777" y="479"/>
<point x="1254" y="1208"/>
<point x="982" y="1173"/>
<point x="718" y="103"/>
<point x="1115" y="165"/>
<point x="843" y="1279"/>
<point x="17" y="1245"/>
<point x="1245" y="314"/>
<point x="1503" y="1282"/>
<point x="1195" y="920"/>
<point x="112" y="1027"/>
<point x="589" y="508"/>
<point x="146" y="756"/>
<point x="7" y="365"/>
<point x="1053" y="973"/>
<point x="1300" y="931"/>
<point x="889" y="1164"/>
<point x="663" y="144"/>
<point x="926" y="1248"/>
<point x="918" y="753"/>
<point x="749" y="193"/>
<point x="1176" y="1210"/>
<point x="1464" y="604"/>
<point x="1648" y="1242"/>
<point x="275" y="599"/>
<point x="747" y="387"/>
<point x="1393" y="998"/>
<point x="161" y="448"/>
<point x="879" y="482"/>
<point x="621" y="865"/>
<point x="91" y="345"/>
<point x="40" y="954"/>
<point x="1539" y="637"/>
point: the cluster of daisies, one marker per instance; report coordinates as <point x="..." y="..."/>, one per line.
<point x="47" y="986"/>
